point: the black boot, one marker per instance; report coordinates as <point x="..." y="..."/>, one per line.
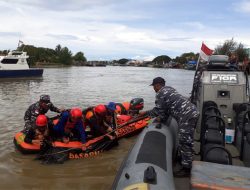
<point x="182" y="172"/>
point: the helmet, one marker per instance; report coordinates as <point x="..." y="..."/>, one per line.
<point x="41" y="121"/>
<point x="76" y="113"/>
<point x="111" y="106"/>
<point x="137" y="104"/>
<point x="100" y="110"/>
<point x="45" y="98"/>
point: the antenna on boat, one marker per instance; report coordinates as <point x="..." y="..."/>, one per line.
<point x="20" y="43"/>
<point x="23" y="47"/>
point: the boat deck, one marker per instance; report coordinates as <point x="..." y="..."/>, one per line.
<point x="185" y="183"/>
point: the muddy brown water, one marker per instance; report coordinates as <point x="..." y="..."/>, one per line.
<point x="69" y="87"/>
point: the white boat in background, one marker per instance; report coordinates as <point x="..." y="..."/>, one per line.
<point x="15" y="65"/>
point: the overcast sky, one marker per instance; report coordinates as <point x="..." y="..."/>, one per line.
<point x="114" y="29"/>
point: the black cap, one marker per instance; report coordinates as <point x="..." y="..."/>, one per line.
<point x="158" y="80"/>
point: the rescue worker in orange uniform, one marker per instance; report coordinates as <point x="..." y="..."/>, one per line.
<point x="70" y="125"/>
<point x="37" y="134"/>
<point x="98" y="118"/>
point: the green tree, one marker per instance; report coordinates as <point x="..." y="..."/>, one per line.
<point x="230" y="47"/>
<point x="227" y="48"/>
<point x="4" y="52"/>
<point x="123" y="61"/>
<point x="180" y="59"/>
<point x="241" y="53"/>
<point x="185" y="57"/>
<point x="58" y="55"/>
<point x="160" y="60"/>
<point x="191" y="56"/>
<point x="79" y="56"/>
<point x="65" y="56"/>
<point x="58" y="49"/>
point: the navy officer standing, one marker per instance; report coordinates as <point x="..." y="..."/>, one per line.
<point x="170" y="103"/>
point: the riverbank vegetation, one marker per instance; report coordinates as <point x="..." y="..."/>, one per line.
<point x="62" y="56"/>
<point x="229" y="47"/>
<point x="39" y="56"/>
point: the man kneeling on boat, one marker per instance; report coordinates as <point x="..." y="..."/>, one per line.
<point x="100" y="120"/>
<point x="39" y="133"/>
<point x="70" y="126"/>
<point x="170" y="103"/>
<point x="40" y="107"/>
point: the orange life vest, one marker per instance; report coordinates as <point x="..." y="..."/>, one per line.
<point x="122" y="108"/>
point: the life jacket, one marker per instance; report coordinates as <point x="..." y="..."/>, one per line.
<point x="100" y="121"/>
<point x="69" y="125"/>
<point x="85" y="111"/>
<point x="88" y="114"/>
<point x="126" y="105"/>
<point x="122" y="108"/>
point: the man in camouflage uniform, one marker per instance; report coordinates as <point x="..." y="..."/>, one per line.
<point x="38" y="108"/>
<point x="170" y="103"/>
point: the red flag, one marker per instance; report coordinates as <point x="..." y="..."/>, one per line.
<point x="205" y="52"/>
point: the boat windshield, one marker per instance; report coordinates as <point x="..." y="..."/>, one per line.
<point x="9" y="61"/>
<point x="17" y="53"/>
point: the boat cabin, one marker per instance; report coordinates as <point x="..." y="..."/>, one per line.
<point x="15" y="60"/>
<point x="222" y="83"/>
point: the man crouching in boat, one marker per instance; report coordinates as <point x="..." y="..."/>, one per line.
<point x="70" y="125"/>
<point x="100" y="120"/>
<point x="170" y="103"/>
<point x="40" y="107"/>
<point x="39" y="133"/>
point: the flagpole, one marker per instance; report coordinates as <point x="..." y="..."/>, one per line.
<point x="197" y="64"/>
<point x="196" y="70"/>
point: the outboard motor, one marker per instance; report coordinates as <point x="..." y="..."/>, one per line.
<point x="136" y="105"/>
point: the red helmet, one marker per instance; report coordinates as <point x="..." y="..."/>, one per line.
<point x="41" y="121"/>
<point x="76" y="113"/>
<point x="100" y="110"/>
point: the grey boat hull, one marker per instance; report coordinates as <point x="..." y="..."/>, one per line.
<point x="149" y="162"/>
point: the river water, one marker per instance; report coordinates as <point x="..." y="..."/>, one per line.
<point x="69" y="87"/>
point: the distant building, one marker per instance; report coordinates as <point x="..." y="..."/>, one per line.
<point x="191" y="65"/>
<point x="134" y="63"/>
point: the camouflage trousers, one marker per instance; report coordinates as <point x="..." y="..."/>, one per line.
<point x="186" y="139"/>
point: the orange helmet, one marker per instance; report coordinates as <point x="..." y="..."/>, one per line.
<point x="41" y="121"/>
<point x="76" y="113"/>
<point x="100" y="110"/>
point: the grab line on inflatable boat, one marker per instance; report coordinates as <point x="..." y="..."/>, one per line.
<point x="88" y="144"/>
